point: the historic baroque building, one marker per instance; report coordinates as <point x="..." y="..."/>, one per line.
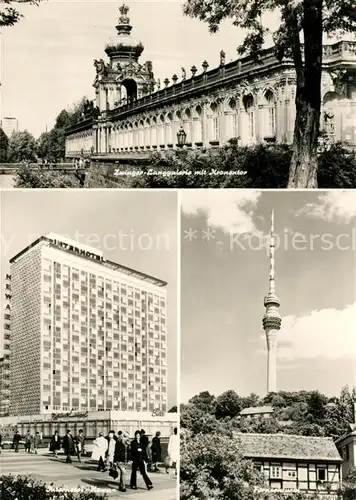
<point x="245" y="99"/>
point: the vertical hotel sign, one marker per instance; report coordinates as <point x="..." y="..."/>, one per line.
<point x="76" y="250"/>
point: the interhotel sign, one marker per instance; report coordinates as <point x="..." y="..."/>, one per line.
<point x="57" y="416"/>
<point x="78" y="251"/>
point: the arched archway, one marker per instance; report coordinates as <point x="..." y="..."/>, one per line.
<point x="130" y="86"/>
<point x="249" y="108"/>
<point x="269" y="114"/>
<point x="331" y="120"/>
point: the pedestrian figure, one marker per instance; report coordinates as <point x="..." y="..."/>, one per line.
<point x="68" y="446"/>
<point x="120" y="459"/>
<point x="16" y="441"/>
<point x="100" y="448"/>
<point x="55" y="444"/>
<point x="79" y="443"/>
<point x="0" y="443"/>
<point x="137" y="457"/>
<point x="28" y="442"/>
<point x="144" y="441"/>
<point x="156" y="451"/>
<point x="173" y="451"/>
<point x="36" y="442"/>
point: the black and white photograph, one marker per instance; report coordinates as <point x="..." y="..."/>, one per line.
<point x="268" y="372"/>
<point x="178" y="94"/>
<point x="88" y="365"/>
<point x="178" y="241"/>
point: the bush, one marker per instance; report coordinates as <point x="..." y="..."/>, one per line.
<point x="265" y="166"/>
<point x="24" y="488"/>
<point x="34" y="177"/>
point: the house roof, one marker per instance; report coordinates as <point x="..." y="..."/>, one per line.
<point x="255" y="410"/>
<point x="351" y="431"/>
<point x="288" y="446"/>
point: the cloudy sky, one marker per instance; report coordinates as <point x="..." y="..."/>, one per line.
<point x="136" y="229"/>
<point x="47" y="58"/>
<point x="225" y="270"/>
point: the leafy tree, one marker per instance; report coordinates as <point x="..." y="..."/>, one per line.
<point x="51" y="145"/>
<point x="337" y="168"/>
<point x="211" y="467"/>
<point x="34" y="177"/>
<point x="198" y="421"/>
<point x="259" y="425"/>
<point x="251" y="400"/>
<point x="349" y="486"/>
<point x="310" y="19"/>
<point x="204" y="401"/>
<point x="316" y="407"/>
<point x="174" y="409"/>
<point x="22" y="146"/>
<point x="4" y="145"/>
<point x="9" y="15"/>
<point x="228" y="404"/>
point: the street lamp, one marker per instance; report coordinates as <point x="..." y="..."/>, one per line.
<point x="181" y="137"/>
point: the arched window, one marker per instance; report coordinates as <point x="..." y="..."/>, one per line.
<point x="270" y="115"/>
<point x="147" y="132"/>
<point x="249" y="104"/>
<point x="215" y="122"/>
<point x="169" y="128"/>
<point x="231" y="119"/>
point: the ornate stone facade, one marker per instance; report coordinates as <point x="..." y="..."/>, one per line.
<point x="245" y="99"/>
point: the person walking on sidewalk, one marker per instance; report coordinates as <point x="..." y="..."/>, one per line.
<point x="156" y="451"/>
<point x="79" y="444"/>
<point x="120" y="459"/>
<point x="173" y="451"/>
<point x="28" y="441"/>
<point x="36" y="442"/>
<point x="55" y="444"/>
<point x="100" y="448"/>
<point x="68" y="445"/>
<point x="16" y="441"/>
<point x="137" y="457"/>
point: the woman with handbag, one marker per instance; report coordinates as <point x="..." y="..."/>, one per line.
<point x="55" y="444"/>
<point x="137" y="457"/>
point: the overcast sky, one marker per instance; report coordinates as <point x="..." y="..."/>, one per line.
<point x="48" y="56"/>
<point x="225" y="279"/>
<point x="148" y="219"/>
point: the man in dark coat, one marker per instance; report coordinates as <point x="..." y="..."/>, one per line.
<point x="120" y="459"/>
<point x="16" y="441"/>
<point x="68" y="446"/>
<point x="138" y="463"/>
<point x="55" y="444"/>
<point x="79" y="444"/>
<point x="156" y="451"/>
<point x="146" y="452"/>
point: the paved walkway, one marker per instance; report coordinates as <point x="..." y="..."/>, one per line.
<point x="43" y="467"/>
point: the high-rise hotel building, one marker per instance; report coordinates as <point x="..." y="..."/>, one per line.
<point x="87" y="334"/>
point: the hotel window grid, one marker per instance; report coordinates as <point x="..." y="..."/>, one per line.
<point x="69" y="298"/>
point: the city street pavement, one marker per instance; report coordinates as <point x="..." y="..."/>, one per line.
<point x="43" y="467"/>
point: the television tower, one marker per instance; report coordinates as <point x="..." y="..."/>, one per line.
<point x="272" y="319"/>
